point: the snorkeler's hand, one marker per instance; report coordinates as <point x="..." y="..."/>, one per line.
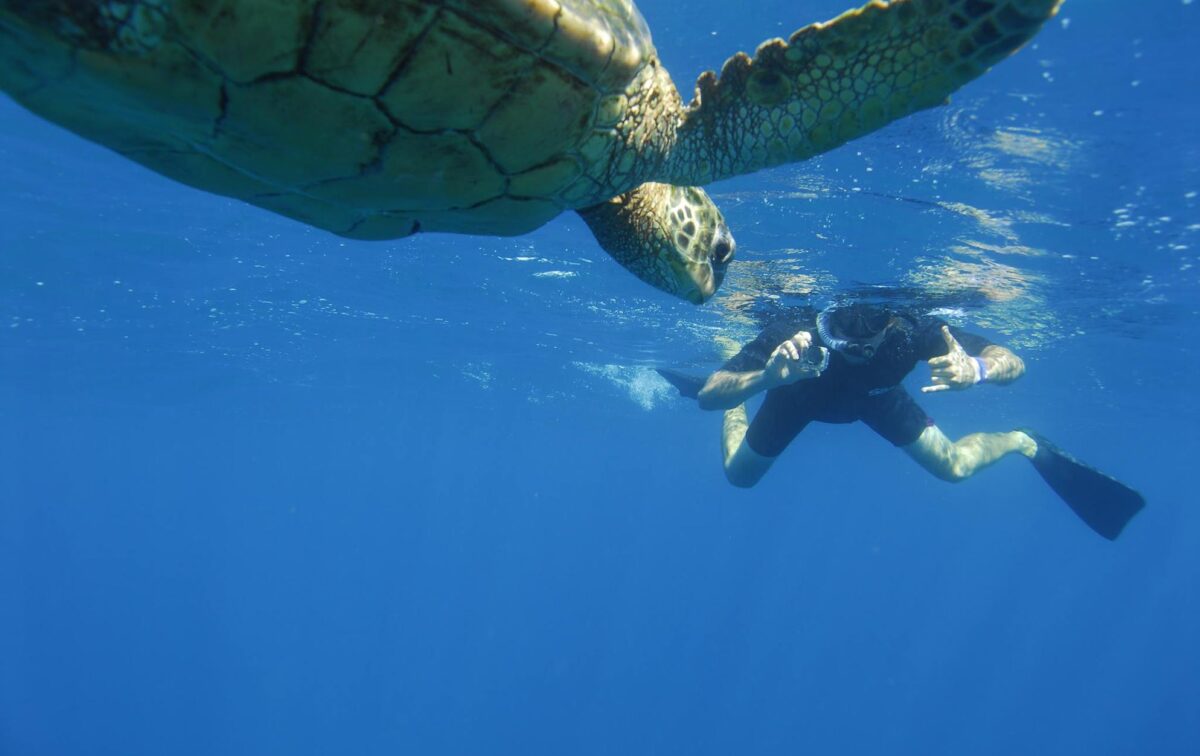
<point x="956" y="370"/>
<point x="793" y="360"/>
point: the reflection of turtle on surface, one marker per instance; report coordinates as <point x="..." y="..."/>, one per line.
<point x="376" y="119"/>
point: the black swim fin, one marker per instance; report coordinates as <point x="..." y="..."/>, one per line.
<point x="689" y="385"/>
<point x="1104" y="503"/>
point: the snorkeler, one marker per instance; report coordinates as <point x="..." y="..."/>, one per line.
<point x="846" y="365"/>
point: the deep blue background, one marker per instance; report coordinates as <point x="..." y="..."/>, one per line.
<point x="266" y="491"/>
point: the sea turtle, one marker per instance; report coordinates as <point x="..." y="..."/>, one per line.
<point x="376" y="119"/>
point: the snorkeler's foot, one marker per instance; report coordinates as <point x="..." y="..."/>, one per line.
<point x="688" y="385"/>
<point x="1026" y="442"/>
<point x="1103" y="502"/>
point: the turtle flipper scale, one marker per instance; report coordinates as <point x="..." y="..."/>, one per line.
<point x="832" y="82"/>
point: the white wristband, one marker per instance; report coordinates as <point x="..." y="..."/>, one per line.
<point x="980" y="369"/>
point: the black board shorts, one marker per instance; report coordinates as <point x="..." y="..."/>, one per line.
<point x="892" y="413"/>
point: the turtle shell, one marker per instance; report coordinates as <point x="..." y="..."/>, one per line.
<point x="369" y="118"/>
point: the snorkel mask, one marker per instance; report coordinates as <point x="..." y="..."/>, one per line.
<point x="861" y="347"/>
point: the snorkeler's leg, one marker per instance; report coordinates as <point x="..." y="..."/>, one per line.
<point x="743" y="466"/>
<point x="959" y="460"/>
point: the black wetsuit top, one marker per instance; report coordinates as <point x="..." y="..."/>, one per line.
<point x="845" y="392"/>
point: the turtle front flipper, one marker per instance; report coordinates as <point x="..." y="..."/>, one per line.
<point x="839" y="80"/>
<point x="672" y="237"/>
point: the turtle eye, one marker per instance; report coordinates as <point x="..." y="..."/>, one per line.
<point x="722" y="248"/>
<point x="721" y="252"/>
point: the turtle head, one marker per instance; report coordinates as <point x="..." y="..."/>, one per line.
<point x="672" y="237"/>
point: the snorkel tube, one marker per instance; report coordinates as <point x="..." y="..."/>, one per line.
<point x="825" y="332"/>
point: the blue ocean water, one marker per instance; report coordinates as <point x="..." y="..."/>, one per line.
<point x="263" y="490"/>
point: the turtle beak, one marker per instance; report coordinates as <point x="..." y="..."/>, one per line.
<point x="707" y="275"/>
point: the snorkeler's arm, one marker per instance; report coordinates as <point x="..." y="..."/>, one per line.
<point x="1001" y="365"/>
<point x="957" y="369"/>
<point x="726" y="389"/>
